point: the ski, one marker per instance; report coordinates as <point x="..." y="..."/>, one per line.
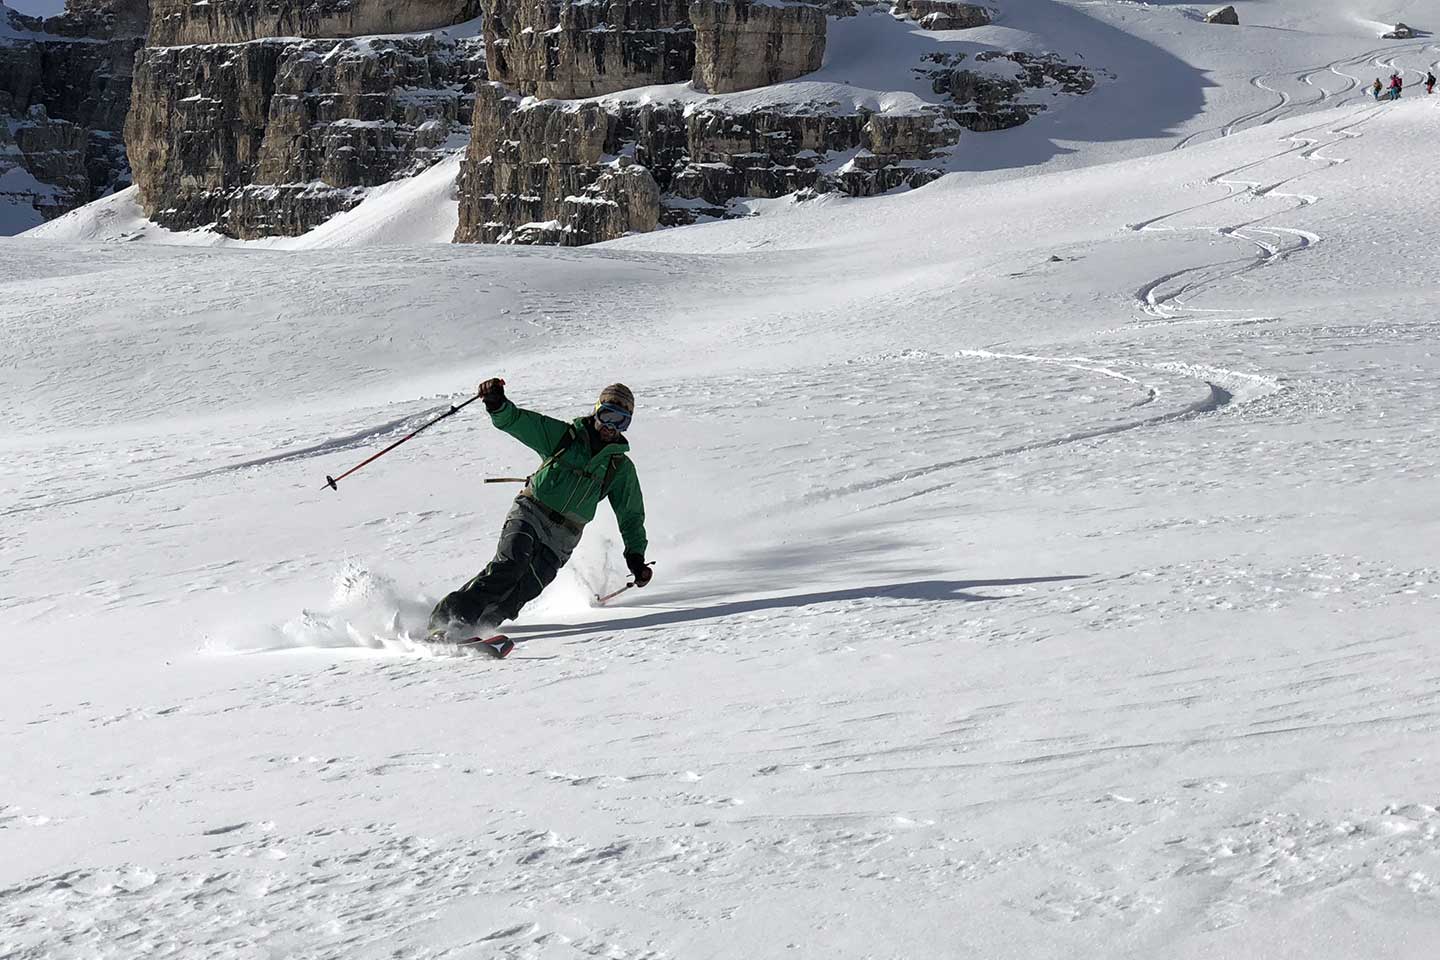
<point x="498" y="646"/>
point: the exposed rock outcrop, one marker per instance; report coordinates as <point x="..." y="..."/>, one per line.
<point x="744" y="44"/>
<point x="273" y="137"/>
<point x="945" y="14"/>
<point x="992" y="97"/>
<point x="548" y="172"/>
<point x="538" y="173"/>
<point x="102" y="19"/>
<point x="565" y="50"/>
<point x="1223" y="15"/>
<point x="42" y="163"/>
<point x="236" y="21"/>
<point x="76" y="69"/>
<point x="1402" y="31"/>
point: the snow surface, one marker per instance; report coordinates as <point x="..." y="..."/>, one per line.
<point x="1046" y="568"/>
<point x="419" y="209"/>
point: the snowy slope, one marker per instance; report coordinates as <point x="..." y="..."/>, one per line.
<point x="1043" y="572"/>
<point x="1046" y="568"/>
<point x="418" y="209"/>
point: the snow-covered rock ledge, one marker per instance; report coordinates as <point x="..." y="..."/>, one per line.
<point x="791" y="122"/>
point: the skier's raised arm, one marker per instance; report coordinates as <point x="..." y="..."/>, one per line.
<point x="537" y="431"/>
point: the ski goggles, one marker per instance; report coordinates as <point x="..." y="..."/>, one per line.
<point x="613" y="417"/>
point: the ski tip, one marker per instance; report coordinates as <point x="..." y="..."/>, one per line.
<point x="498" y="646"/>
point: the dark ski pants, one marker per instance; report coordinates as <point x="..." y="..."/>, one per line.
<point x="525" y="562"/>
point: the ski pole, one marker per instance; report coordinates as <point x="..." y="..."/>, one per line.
<point x="611" y="596"/>
<point x="332" y="482"/>
<point x="507" y="479"/>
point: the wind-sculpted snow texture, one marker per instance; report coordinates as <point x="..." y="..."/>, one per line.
<point x="1045" y="568"/>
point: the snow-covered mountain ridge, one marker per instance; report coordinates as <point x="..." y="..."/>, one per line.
<point x="1167" y="79"/>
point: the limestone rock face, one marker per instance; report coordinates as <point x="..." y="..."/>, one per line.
<point x="744" y="44"/>
<point x="42" y="163"/>
<point x="76" y="69"/>
<point x="102" y="18"/>
<point x="945" y="14"/>
<point x="1223" y="15"/>
<point x="235" y="21"/>
<point x="537" y="173"/>
<point x="566" y="49"/>
<point x="273" y="137"/>
<point x="1402" y="31"/>
<point x="541" y="172"/>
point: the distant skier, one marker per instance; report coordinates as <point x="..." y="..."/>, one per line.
<point x="585" y="463"/>
<point x="1375" y="90"/>
<point x="1396" y="86"/>
<point x="1429" y="82"/>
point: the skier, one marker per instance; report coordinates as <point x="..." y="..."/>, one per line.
<point x="585" y="463"/>
<point x="1396" y="84"/>
<point x="1429" y="82"/>
<point x="1375" y="90"/>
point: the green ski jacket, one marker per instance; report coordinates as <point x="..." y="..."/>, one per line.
<point x="573" y="483"/>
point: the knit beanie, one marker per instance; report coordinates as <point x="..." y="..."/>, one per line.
<point x="619" y="395"/>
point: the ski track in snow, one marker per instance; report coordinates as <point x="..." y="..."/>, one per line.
<point x="1273" y="244"/>
<point x="1286" y="105"/>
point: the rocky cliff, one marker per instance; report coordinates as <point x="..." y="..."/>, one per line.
<point x="64" y="93"/>
<point x="598" y="117"/>
<point x="273" y="137"/>
<point x="945" y="14"/>
<point x="540" y="174"/>
<point x="563" y="49"/>
<point x="744" y="44"/>
<point x="572" y="171"/>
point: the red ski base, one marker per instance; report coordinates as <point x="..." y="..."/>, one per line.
<point x="498" y="646"/>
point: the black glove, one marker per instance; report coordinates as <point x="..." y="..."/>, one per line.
<point x="641" y="573"/>
<point x="492" y="392"/>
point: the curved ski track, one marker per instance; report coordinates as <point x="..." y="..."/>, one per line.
<point x="1272" y="245"/>
<point x="1286" y="105"/>
<point x="1222" y="387"/>
<point x="1161" y="298"/>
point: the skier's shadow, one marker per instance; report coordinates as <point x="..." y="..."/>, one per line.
<point x="915" y="590"/>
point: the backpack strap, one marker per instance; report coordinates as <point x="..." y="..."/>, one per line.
<point x="566" y="442"/>
<point x="610" y="470"/>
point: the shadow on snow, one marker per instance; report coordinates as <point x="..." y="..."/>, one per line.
<point x="928" y="590"/>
